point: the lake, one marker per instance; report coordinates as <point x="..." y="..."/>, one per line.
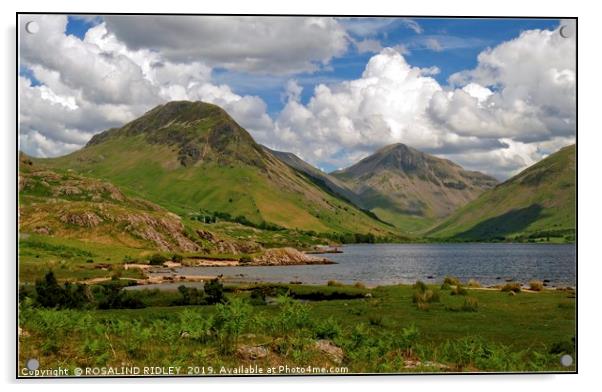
<point x="378" y="264"/>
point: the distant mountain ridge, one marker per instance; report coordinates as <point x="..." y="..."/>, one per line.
<point x="410" y="188"/>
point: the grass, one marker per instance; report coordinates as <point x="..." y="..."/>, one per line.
<point x="152" y="171"/>
<point x="376" y="334"/>
<point x="537" y="205"/>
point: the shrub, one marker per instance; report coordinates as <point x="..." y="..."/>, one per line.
<point x="514" y="287"/>
<point x="111" y="296"/>
<point x="536" y="285"/>
<point x="359" y="285"/>
<point x="195" y="325"/>
<point x="459" y="290"/>
<point x="177" y="258"/>
<point x="334" y="283"/>
<point x="328" y="329"/>
<point x="293" y="315"/>
<point x="245" y="259"/>
<point x="157" y="259"/>
<point x="49" y="294"/>
<point x="230" y="320"/>
<point x="258" y="296"/>
<point x="445" y="286"/>
<point x="452" y="281"/>
<point x="214" y="289"/>
<point x="419" y="285"/>
<point x="89" y="261"/>
<point x="473" y="283"/>
<point x="407" y="340"/>
<point x="471" y="304"/>
<point x="190" y="296"/>
<point x="426" y="296"/>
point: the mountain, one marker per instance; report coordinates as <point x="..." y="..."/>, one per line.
<point x="412" y="189"/>
<point x="191" y="157"/>
<point x="325" y="180"/>
<point x="538" y="203"/>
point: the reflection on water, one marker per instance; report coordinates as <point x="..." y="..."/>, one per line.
<point x="405" y="263"/>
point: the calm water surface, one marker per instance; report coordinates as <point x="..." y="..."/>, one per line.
<point x="376" y="264"/>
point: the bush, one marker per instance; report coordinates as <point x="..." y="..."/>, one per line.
<point x="293" y="315"/>
<point x="473" y="283"/>
<point x="359" y="285"/>
<point x="177" y="258"/>
<point x="245" y="259"/>
<point x="426" y="296"/>
<point x="334" y="283"/>
<point x="471" y="304"/>
<point x="328" y="329"/>
<point x="536" y="285"/>
<point x="459" y="290"/>
<point x="190" y="296"/>
<point x="258" y="297"/>
<point x="407" y="340"/>
<point x="49" y="294"/>
<point x="419" y="285"/>
<point x="230" y="320"/>
<point x="195" y="325"/>
<point x="214" y="290"/>
<point x="514" y="287"/>
<point x="112" y="296"/>
<point x="157" y="259"/>
<point x="445" y="286"/>
<point x="452" y="281"/>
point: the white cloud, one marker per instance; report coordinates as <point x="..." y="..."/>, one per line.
<point x="96" y="83"/>
<point x="515" y="107"/>
<point x="433" y="44"/>
<point x="368" y="45"/>
<point x="282" y="45"/>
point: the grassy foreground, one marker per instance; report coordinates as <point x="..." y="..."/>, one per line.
<point x="329" y="328"/>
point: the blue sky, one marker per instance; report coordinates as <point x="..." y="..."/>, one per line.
<point x="462" y="40"/>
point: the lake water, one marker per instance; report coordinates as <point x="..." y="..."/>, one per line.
<point x="377" y="264"/>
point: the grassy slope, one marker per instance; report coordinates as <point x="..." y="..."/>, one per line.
<point x="277" y="195"/>
<point x="411" y="189"/>
<point x="540" y="201"/>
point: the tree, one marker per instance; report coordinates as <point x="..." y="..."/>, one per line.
<point x="214" y="289"/>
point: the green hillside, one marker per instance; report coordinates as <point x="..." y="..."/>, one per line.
<point x="191" y="156"/>
<point x="411" y="189"/>
<point x="538" y="204"/>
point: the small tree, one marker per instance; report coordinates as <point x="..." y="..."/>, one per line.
<point x="214" y="289"/>
<point x="157" y="259"/>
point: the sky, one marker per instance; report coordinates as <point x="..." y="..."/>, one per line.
<point x="494" y="95"/>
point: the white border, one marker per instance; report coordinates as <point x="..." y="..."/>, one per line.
<point x="589" y="145"/>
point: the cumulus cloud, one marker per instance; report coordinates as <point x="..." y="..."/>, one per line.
<point x="89" y="85"/>
<point x="283" y="45"/>
<point x="514" y="108"/>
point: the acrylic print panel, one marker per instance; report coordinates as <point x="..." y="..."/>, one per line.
<point x="205" y="195"/>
